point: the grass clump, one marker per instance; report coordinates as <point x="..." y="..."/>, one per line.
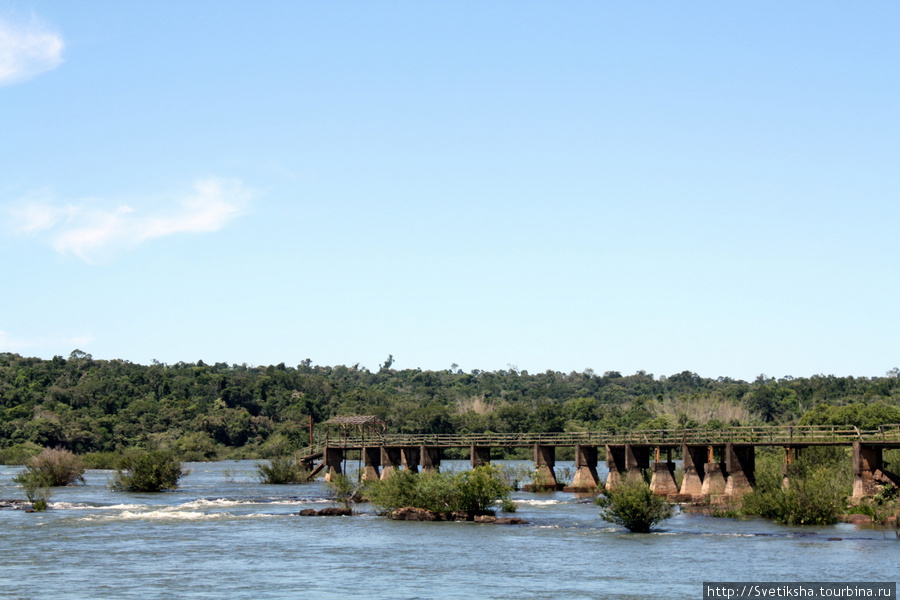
<point x="282" y="470"/>
<point x="472" y="492"/>
<point x="148" y="471"/>
<point x="633" y="506"/>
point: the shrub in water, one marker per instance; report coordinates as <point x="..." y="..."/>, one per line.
<point x="58" y="466"/>
<point x="405" y="488"/>
<point x="37" y="488"/>
<point x="153" y="471"/>
<point x="474" y="492"/>
<point x="344" y="490"/>
<point x="282" y="470"/>
<point x="633" y="506"/>
<point x="479" y="489"/>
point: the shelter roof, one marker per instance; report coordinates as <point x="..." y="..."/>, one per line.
<point x="355" y="420"/>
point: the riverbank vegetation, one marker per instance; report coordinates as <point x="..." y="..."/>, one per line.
<point x="100" y="408"/>
<point x="814" y="489"/>
<point x="810" y="491"/>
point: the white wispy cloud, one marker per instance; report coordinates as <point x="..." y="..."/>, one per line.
<point x="27" y="50"/>
<point x="94" y="230"/>
<point x="10" y="342"/>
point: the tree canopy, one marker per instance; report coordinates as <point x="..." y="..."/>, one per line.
<point x="87" y="405"/>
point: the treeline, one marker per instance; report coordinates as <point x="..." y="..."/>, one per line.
<point x="202" y="410"/>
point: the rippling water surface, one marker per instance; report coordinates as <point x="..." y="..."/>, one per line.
<point x="224" y="535"/>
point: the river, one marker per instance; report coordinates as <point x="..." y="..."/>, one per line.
<point x="223" y="535"/>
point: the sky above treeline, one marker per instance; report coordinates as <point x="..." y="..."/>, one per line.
<point x="657" y="186"/>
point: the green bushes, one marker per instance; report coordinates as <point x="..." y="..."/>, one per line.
<point x="816" y="492"/>
<point x="282" y="470"/>
<point x="37" y="488"/>
<point x="473" y="492"/>
<point x="343" y="490"/>
<point x="884" y="507"/>
<point x="153" y="471"/>
<point x="633" y="506"/>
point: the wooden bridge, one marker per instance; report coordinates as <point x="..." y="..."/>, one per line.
<point x="715" y="461"/>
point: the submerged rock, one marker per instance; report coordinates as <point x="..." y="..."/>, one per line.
<point x="411" y="513"/>
<point x="335" y="512"/>
<point x="510" y="521"/>
<point x="325" y="512"/>
<point x="855" y="519"/>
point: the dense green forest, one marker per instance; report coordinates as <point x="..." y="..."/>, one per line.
<point x="208" y="411"/>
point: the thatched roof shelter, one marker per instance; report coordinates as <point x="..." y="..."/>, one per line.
<point x="356" y="420"/>
<point x="362" y="425"/>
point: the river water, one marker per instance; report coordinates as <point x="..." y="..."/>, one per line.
<point x="224" y="535"/>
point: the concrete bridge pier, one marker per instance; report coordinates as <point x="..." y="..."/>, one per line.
<point x="714" y="477"/>
<point x="430" y="458"/>
<point x="334" y="457"/>
<point x="586" y="478"/>
<point x="390" y="461"/>
<point x="740" y="469"/>
<point x="791" y="455"/>
<point x="866" y="461"/>
<point x="544" y="477"/>
<point x="693" y="461"/>
<point x="409" y="458"/>
<point x="480" y="455"/>
<point x="662" y="481"/>
<point x="371" y="463"/>
<point x="626" y="463"/>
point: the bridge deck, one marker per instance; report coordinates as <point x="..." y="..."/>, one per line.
<point x="886" y="435"/>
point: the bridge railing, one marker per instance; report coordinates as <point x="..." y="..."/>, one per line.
<point x="763" y="435"/>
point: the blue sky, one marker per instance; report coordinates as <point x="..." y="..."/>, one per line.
<point x="655" y="186"/>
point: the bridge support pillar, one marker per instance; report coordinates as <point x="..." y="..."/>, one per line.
<point x="662" y="480"/>
<point x="390" y="460"/>
<point x="791" y="455"/>
<point x="625" y="463"/>
<point x="480" y="455"/>
<point x="866" y="461"/>
<point x="430" y="457"/>
<point x="409" y="458"/>
<point x="334" y="457"/>
<point x="544" y="477"/>
<point x="693" y="459"/>
<point x="714" y="475"/>
<point x="586" y="477"/>
<point x="371" y="463"/>
<point x="740" y="467"/>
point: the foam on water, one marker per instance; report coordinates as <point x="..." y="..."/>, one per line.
<point x="523" y="502"/>
<point x="87" y="506"/>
